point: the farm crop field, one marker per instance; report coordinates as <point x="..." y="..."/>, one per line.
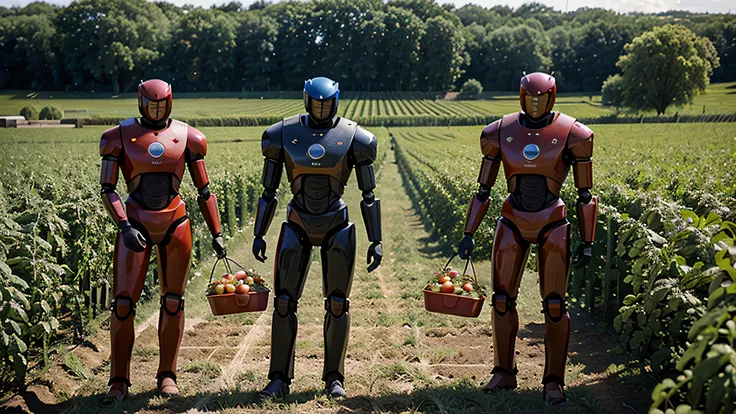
<point x="370" y="108"/>
<point x="57" y="239"/>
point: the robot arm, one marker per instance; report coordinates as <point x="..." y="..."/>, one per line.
<point x="365" y="146"/>
<point x="273" y="167"/>
<point x="491" y="148"/>
<point x="196" y="150"/>
<point x="111" y="150"/>
<point x="580" y="147"/>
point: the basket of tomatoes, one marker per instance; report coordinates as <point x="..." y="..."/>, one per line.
<point x="242" y="291"/>
<point x="453" y="293"/>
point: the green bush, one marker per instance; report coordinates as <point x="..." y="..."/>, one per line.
<point x="612" y="92"/>
<point x="29" y="113"/>
<point x="471" y="90"/>
<point x="51" y="113"/>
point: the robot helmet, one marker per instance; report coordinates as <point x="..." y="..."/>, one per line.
<point x="537" y="94"/>
<point x="320" y="99"/>
<point x="154" y="100"/>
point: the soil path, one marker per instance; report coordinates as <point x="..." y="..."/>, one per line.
<point x="400" y="357"/>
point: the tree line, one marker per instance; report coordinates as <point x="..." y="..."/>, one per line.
<point x="401" y="45"/>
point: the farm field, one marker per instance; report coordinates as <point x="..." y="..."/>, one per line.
<point x="400" y="358"/>
<point x="718" y="99"/>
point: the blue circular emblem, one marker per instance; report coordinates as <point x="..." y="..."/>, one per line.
<point x="316" y="151"/>
<point x="531" y="152"/>
<point x="156" y="149"/>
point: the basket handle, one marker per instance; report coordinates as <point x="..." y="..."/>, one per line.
<point x="226" y="261"/>
<point x="242" y="299"/>
<point x="468" y="262"/>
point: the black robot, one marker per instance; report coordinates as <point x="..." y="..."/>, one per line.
<point x="319" y="150"/>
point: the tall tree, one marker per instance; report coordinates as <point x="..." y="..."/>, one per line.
<point x="442" y="55"/>
<point x="203" y="55"/>
<point x="597" y="51"/>
<point x="401" y="48"/>
<point x="511" y="51"/>
<point x="255" y="40"/>
<point x="666" y="66"/>
<point x="105" y="40"/>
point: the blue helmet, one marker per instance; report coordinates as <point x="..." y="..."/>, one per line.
<point x="321" y="98"/>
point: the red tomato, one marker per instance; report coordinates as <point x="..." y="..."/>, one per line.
<point x="240" y="274"/>
<point x="454" y="273"/>
<point x="448" y="287"/>
<point x="242" y="289"/>
<point x="468" y="287"/>
<point x="443" y="279"/>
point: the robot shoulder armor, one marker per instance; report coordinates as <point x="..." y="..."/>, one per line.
<point x="490" y="143"/>
<point x="365" y="146"/>
<point x="111" y="142"/>
<point x="271" y="143"/>
<point x="196" y="141"/>
<point x="580" y="141"/>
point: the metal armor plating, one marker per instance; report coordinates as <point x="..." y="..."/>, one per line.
<point x="152" y="162"/>
<point x="537" y="152"/>
<point x="318" y="161"/>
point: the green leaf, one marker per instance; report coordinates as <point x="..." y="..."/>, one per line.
<point x="16" y="327"/>
<point x="694" y="352"/>
<point x="22" y="347"/>
<point x="702" y="373"/>
<point x="683" y="409"/>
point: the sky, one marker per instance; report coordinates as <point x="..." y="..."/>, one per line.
<point x="646" y="6"/>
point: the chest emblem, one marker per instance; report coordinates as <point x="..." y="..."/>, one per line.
<point x="156" y="150"/>
<point x="316" y="151"/>
<point x="531" y="151"/>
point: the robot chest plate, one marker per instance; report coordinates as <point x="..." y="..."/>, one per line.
<point x="149" y="151"/>
<point x="534" y="151"/>
<point x="317" y="152"/>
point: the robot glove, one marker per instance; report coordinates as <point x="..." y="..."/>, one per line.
<point x="583" y="255"/>
<point x="132" y="238"/>
<point x="259" y="249"/>
<point x="218" y="244"/>
<point x="465" y="247"/>
<point x="375" y="252"/>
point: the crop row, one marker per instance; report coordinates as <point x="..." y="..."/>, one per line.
<point x="56" y="240"/>
<point x="662" y="248"/>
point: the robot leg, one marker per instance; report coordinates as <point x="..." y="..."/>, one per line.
<point x="338" y="260"/>
<point x="129" y="274"/>
<point x="174" y="258"/>
<point x="510" y="252"/>
<point x="293" y="257"/>
<point x="554" y="258"/>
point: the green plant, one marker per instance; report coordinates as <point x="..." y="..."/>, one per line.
<point x="471" y="90"/>
<point x="51" y="113"/>
<point x="29" y="113"/>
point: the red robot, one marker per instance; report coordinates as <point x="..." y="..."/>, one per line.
<point x="152" y="152"/>
<point x="537" y="148"/>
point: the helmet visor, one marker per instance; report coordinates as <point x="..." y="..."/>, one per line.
<point x="155" y="110"/>
<point x="320" y="110"/>
<point x="536" y="106"/>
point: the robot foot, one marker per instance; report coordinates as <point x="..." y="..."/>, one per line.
<point x="167" y="387"/>
<point x="275" y="389"/>
<point x="501" y="380"/>
<point x="334" y="389"/>
<point x="116" y="393"/>
<point x="554" y="394"/>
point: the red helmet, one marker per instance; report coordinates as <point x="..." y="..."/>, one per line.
<point x="154" y="100"/>
<point x="537" y="94"/>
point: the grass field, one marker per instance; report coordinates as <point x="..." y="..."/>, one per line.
<point x="718" y="99"/>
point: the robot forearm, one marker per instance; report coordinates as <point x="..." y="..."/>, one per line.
<point x="206" y="200"/>
<point x="480" y="201"/>
<point x="587" y="205"/>
<point x="108" y="181"/>
<point x="370" y="207"/>
<point x="268" y="201"/>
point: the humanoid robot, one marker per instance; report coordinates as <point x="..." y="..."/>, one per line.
<point x="319" y="150"/>
<point x="537" y="148"/>
<point x="152" y="152"/>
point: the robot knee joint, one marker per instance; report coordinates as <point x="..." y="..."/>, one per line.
<point x="503" y="303"/>
<point x="554" y="307"/>
<point x="285" y="305"/>
<point x="172" y="303"/>
<point x="337" y="304"/>
<point x="122" y="307"/>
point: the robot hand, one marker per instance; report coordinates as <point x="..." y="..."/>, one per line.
<point x="583" y="255"/>
<point x="132" y="238"/>
<point x="465" y="247"/>
<point x="218" y="244"/>
<point x="259" y="249"/>
<point x="375" y="252"/>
